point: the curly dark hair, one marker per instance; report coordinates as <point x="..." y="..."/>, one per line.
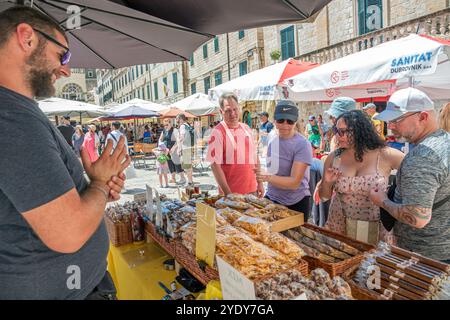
<point x="362" y="133"/>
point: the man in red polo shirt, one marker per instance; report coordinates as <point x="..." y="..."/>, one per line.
<point x="232" y="151"/>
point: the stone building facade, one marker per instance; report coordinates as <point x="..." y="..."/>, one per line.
<point x="79" y="86"/>
<point x="342" y="27"/>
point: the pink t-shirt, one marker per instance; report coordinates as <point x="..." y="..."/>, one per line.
<point x="89" y="144"/>
<point x="235" y="151"/>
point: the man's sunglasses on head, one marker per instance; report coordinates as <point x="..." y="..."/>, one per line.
<point x="280" y="121"/>
<point x="65" y="58"/>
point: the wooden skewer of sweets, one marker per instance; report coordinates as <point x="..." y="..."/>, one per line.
<point x="312" y="252"/>
<point x="412" y="270"/>
<point x="389" y="294"/>
<point x="433" y="263"/>
<point x="415" y="266"/>
<point x="420" y="265"/>
<point x="324" y="248"/>
<point x="406" y="286"/>
<point x="395" y="288"/>
<point x="403" y="276"/>
<point x="339" y="245"/>
<point x="393" y="264"/>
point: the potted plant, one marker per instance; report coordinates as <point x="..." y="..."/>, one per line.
<point x="275" y="55"/>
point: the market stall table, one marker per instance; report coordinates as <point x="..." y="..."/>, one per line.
<point x="136" y="277"/>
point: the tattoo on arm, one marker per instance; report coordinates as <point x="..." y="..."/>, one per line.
<point x="412" y="215"/>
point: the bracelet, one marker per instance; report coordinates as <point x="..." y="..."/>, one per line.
<point x="105" y="193"/>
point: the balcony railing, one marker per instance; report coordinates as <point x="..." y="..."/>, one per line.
<point x="436" y="24"/>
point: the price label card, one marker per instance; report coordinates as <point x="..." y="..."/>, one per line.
<point x="301" y="297"/>
<point x="205" y="247"/>
<point x="234" y="285"/>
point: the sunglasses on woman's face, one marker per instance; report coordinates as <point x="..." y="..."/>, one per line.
<point x="342" y="132"/>
<point x="290" y="122"/>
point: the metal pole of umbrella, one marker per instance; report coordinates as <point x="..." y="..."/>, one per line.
<point x="228" y="58"/>
<point x="135" y="130"/>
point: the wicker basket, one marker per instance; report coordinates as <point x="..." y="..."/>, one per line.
<point x="189" y="262"/>
<point x="358" y="292"/>
<point x="166" y="243"/>
<point x="336" y="269"/>
<point x="120" y="233"/>
<point x="302" y="267"/>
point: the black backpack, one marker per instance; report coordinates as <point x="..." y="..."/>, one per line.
<point x="168" y="138"/>
<point x="190" y="132"/>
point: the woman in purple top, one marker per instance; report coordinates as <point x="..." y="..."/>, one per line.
<point x="288" y="159"/>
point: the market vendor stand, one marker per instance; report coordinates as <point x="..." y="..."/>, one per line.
<point x="326" y="254"/>
<point x="136" y="270"/>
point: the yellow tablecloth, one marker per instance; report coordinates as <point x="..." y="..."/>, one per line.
<point x="136" y="270"/>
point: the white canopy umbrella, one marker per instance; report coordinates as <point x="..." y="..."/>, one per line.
<point x="64" y="107"/>
<point x="262" y="84"/>
<point x="417" y="60"/>
<point x="132" y="112"/>
<point x="198" y="104"/>
<point x="139" y="103"/>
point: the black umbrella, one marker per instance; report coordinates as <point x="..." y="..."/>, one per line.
<point x="113" y="36"/>
<point x="221" y="16"/>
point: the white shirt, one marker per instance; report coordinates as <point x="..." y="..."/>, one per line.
<point x="181" y="134"/>
<point x="116" y="134"/>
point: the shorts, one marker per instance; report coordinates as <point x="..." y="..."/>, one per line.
<point x="186" y="159"/>
<point x="174" y="168"/>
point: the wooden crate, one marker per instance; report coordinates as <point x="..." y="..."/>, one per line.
<point x="166" y="243"/>
<point x="190" y="263"/>
<point x="335" y="269"/>
<point x="284" y="224"/>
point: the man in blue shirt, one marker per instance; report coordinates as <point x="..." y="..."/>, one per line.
<point x="264" y="129"/>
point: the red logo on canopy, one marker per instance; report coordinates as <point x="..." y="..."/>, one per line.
<point x="329" y="93"/>
<point x="335" y="77"/>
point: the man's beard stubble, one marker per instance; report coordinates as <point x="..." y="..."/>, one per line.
<point x="39" y="78"/>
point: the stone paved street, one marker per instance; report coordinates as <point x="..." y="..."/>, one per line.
<point x="136" y="185"/>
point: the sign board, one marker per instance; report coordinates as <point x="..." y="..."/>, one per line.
<point x="158" y="219"/>
<point x="141" y="196"/>
<point x="234" y="285"/>
<point x="301" y="297"/>
<point x="179" y="193"/>
<point x="149" y="204"/>
<point x="206" y="231"/>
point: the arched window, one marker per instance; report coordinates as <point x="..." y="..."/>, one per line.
<point x="72" y="91"/>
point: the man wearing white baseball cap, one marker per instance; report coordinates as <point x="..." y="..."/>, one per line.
<point x="421" y="203"/>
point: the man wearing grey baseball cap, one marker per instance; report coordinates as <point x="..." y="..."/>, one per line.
<point x="421" y="203"/>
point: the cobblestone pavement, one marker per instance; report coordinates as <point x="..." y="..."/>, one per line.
<point x="204" y="178"/>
